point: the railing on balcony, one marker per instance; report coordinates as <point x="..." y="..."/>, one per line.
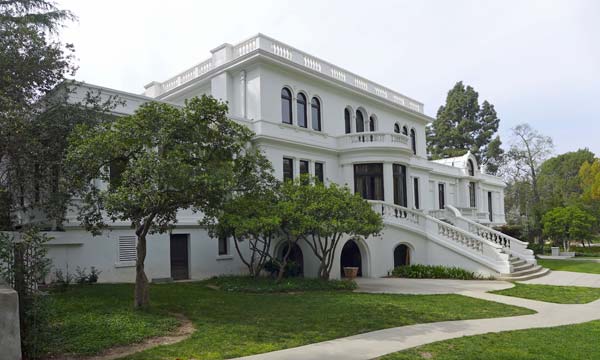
<point x="281" y="50"/>
<point x="373" y="139"/>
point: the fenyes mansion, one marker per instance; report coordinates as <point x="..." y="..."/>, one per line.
<point x="312" y="117"/>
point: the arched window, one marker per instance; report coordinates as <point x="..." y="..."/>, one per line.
<point x="413" y="141"/>
<point x="405" y="130"/>
<point x="286" y="106"/>
<point x="315" y="105"/>
<point x="470" y="168"/>
<point x="347" y="121"/>
<point x="301" y="110"/>
<point x="360" y="122"/>
<point x="372" y="123"/>
<point x="397" y="128"/>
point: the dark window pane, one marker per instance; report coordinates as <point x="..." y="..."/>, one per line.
<point x="301" y="109"/>
<point x="347" y="121"/>
<point x="472" y="194"/>
<point x="471" y="168"/>
<point x="405" y="130"/>
<point x="303" y="166"/>
<point x="286" y="106"/>
<point x="371" y="124"/>
<point x="397" y="128"/>
<point x="223" y="245"/>
<point x="319" y="171"/>
<point x="416" y="191"/>
<point x="360" y="121"/>
<point x="288" y="169"/>
<point x="413" y="141"/>
<point x="400" y="196"/>
<point x="490" y="207"/>
<point x="442" y="196"/>
<point x="368" y="181"/>
<point x="116" y="168"/>
<point x="316" y="114"/>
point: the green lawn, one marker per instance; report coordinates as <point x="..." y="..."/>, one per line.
<point x="88" y="319"/>
<point x="571" y="265"/>
<point x="555" y="294"/>
<point x="559" y="343"/>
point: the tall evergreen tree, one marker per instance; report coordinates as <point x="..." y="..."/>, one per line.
<point x="462" y="125"/>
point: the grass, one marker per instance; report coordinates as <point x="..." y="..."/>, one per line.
<point x="554" y="294"/>
<point x="418" y="271"/>
<point x="582" y="266"/>
<point x="230" y="324"/>
<point x="267" y="285"/>
<point x="559" y="343"/>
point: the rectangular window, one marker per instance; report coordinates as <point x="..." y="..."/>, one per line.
<point x="288" y="169"/>
<point x="416" y="193"/>
<point x="127" y="248"/>
<point x="472" y="195"/>
<point x="441" y="196"/>
<point x="116" y="168"/>
<point x="223" y="245"/>
<point x="319" y="174"/>
<point x="490" y="207"/>
<point x="368" y="181"/>
<point x="399" y="173"/>
<point x="303" y="167"/>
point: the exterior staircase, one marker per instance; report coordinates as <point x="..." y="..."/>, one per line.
<point x="506" y="256"/>
<point x="522" y="270"/>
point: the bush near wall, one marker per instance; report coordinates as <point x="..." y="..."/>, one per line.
<point x="586" y="251"/>
<point x="434" y="272"/>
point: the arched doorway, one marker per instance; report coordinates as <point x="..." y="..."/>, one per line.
<point x="295" y="256"/>
<point x="350" y="257"/>
<point x="401" y="255"/>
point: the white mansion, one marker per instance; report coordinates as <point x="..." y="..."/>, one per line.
<point x="310" y="116"/>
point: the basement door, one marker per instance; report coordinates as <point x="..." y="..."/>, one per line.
<point x="180" y="257"/>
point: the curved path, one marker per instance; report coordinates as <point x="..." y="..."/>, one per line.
<point x="378" y="343"/>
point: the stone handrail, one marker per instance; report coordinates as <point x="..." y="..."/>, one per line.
<point x="480" y="249"/>
<point x="510" y="244"/>
<point x="373" y="139"/>
<point x="269" y="45"/>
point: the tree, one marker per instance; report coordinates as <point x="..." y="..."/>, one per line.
<point x="462" y="125"/>
<point x="253" y="220"/>
<point x="322" y="215"/>
<point x="567" y="223"/>
<point x="529" y="149"/>
<point x="589" y="178"/>
<point x="163" y="158"/>
<point x="559" y="184"/>
<point x="31" y="65"/>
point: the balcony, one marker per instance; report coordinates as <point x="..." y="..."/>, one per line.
<point x="373" y="140"/>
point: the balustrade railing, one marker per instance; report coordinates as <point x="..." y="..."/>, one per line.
<point x="279" y="49"/>
<point x="375" y="139"/>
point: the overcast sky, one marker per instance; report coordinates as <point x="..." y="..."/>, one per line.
<point x="536" y="61"/>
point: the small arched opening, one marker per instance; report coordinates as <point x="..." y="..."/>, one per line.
<point x="401" y="255"/>
<point x="351" y="257"/>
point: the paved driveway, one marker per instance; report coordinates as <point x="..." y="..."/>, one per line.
<point x="567" y="278"/>
<point x="427" y="286"/>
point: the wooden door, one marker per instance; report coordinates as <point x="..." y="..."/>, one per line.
<point x="180" y="257"/>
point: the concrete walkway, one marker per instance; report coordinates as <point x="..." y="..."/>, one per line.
<point x="567" y="278"/>
<point x="378" y="343"/>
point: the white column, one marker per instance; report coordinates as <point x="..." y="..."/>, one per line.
<point x="388" y="183"/>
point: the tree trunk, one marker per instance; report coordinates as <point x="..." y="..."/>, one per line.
<point x="324" y="270"/>
<point x="142" y="297"/>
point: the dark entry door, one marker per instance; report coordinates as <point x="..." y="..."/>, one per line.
<point x="490" y="207"/>
<point x="351" y="257"/>
<point x="179" y="257"/>
<point x="401" y="255"/>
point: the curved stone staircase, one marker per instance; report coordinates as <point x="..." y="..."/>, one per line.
<point x="506" y="256"/>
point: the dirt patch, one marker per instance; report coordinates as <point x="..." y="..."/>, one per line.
<point x="183" y="332"/>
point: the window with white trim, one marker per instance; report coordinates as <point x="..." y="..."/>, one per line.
<point x="127" y="248"/>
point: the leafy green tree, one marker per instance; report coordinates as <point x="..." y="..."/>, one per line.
<point x="252" y="219"/>
<point x="32" y="63"/>
<point x="528" y="150"/>
<point x="589" y="178"/>
<point x="321" y="215"/>
<point x="567" y="223"/>
<point x="559" y="184"/>
<point x="163" y="158"/>
<point x="462" y="125"/>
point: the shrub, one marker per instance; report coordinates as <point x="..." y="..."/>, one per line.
<point x="292" y="269"/>
<point x="434" y="272"/>
<point x="62" y="280"/>
<point x="83" y="277"/>
<point x="515" y="231"/>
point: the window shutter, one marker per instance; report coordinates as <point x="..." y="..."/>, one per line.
<point x="127" y="250"/>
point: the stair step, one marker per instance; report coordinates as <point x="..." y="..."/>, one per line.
<point x="522" y="267"/>
<point x="523" y="272"/>
<point x="541" y="272"/>
<point x="518" y="262"/>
